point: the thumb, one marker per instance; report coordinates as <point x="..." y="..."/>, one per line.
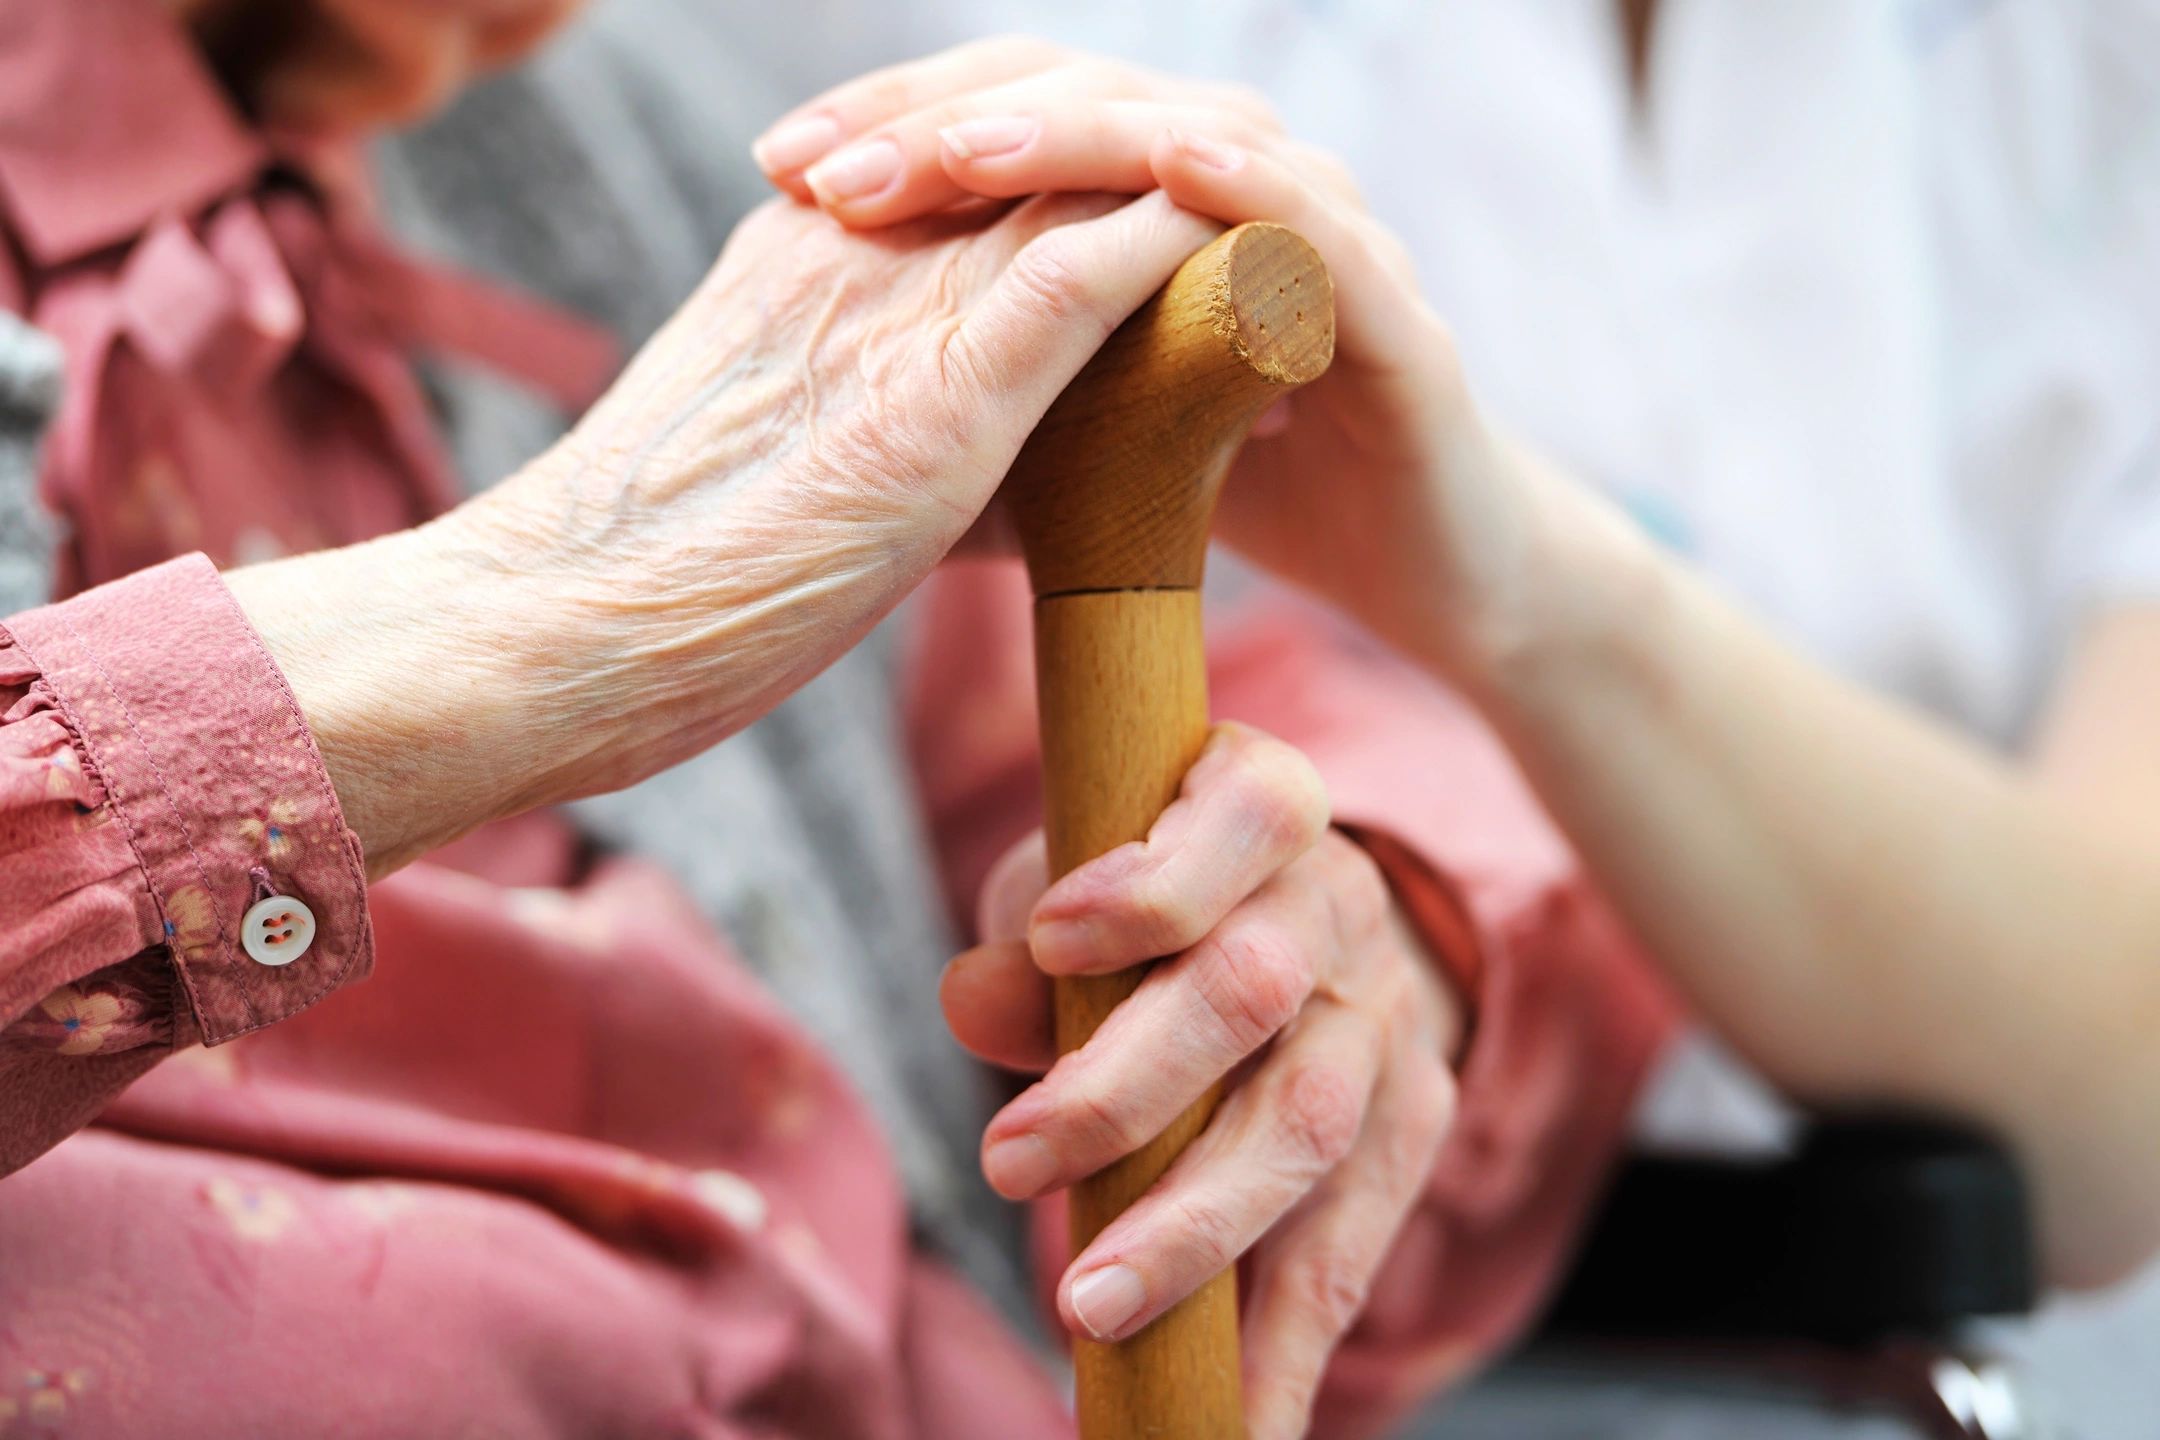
<point x="1055" y="303"/>
<point x="1011" y="889"/>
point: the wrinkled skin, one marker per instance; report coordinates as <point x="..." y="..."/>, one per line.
<point x="780" y="464"/>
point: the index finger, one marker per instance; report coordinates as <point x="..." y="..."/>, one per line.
<point x="813" y="129"/>
<point x="1248" y="807"/>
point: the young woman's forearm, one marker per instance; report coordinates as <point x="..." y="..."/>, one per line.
<point x="1868" y="906"/>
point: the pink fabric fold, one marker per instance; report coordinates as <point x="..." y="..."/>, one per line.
<point x="230" y="322"/>
<point x="107" y="122"/>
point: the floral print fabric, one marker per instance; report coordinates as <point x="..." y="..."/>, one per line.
<point x="141" y="760"/>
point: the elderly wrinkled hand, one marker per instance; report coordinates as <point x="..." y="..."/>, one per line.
<point x="781" y="463"/>
<point x="1291" y="977"/>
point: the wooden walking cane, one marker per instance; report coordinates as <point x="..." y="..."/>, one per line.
<point x="1112" y="498"/>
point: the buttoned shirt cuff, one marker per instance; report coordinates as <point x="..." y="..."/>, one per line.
<point x="199" y="745"/>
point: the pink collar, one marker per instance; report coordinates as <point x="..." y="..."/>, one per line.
<point x="109" y="120"/>
<point x="115" y="135"/>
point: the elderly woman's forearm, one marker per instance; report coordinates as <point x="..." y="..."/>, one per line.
<point x="1867" y="906"/>
<point x="780" y="464"/>
<point x="431" y="681"/>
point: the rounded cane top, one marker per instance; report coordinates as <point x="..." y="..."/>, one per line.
<point x="1280" y="304"/>
<point x="1116" y="488"/>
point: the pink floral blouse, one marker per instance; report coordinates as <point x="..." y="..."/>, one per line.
<point x="560" y="1166"/>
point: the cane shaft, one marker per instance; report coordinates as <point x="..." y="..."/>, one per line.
<point x="1122" y="684"/>
<point x="1112" y="498"/>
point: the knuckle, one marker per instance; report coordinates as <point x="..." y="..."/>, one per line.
<point x="1207" y="1238"/>
<point x="1103" y="1123"/>
<point x="1161" y="911"/>
<point x="1331" y="1281"/>
<point x="1284" y="792"/>
<point x="1358" y="892"/>
<point x="888" y="92"/>
<point x="1319" y="1117"/>
<point x="1258" y="982"/>
<point x="1433" y="1113"/>
<point x="1282" y="1404"/>
<point x="1047" y="275"/>
<point x="1428" y="1114"/>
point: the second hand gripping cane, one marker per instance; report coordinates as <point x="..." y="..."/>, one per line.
<point x="1112" y="498"/>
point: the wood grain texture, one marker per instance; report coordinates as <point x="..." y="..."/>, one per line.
<point x="1117" y="485"/>
<point x="1122" y="681"/>
<point x="1112" y="498"/>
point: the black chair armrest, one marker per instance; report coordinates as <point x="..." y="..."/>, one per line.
<point x="1878" y="1228"/>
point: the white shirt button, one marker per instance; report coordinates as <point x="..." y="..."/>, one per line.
<point x="277" y="931"/>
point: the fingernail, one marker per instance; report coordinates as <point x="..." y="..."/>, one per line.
<point x="1208" y="152"/>
<point x="856" y="172"/>
<point x="1104" y="1301"/>
<point x="1019" y="1168"/>
<point x="990" y="135"/>
<point x="792" y="144"/>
